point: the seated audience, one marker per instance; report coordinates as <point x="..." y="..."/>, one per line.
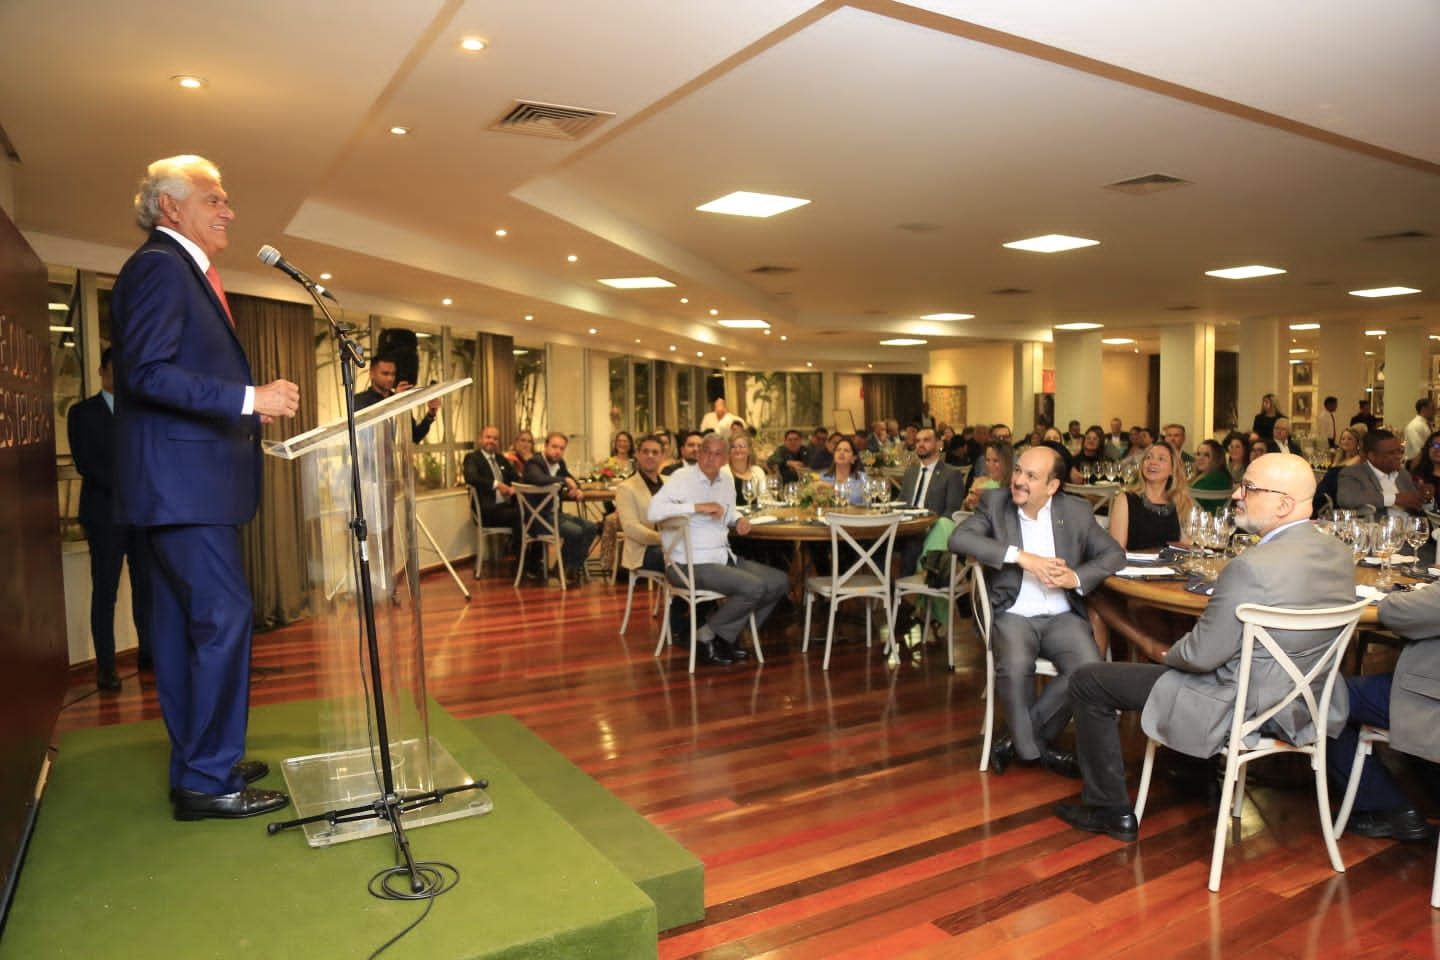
<point x="1378" y="482"/>
<point x="622" y="452"/>
<point x="1091" y="454"/>
<point x="641" y="548"/>
<point x="1188" y="698"/>
<point x="1425" y="468"/>
<point x="689" y="452"/>
<point x="787" y="458"/>
<point x="491" y="474"/>
<point x="548" y="468"/>
<point x="742" y="467"/>
<point x="1210" y="471"/>
<point x="999" y="456"/>
<point x="1237" y="456"/>
<point x="1280" y="439"/>
<point x="845" y="474"/>
<point x="522" y="448"/>
<point x="817" y="454"/>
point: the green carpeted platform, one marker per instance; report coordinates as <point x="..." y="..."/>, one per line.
<point x="668" y="873"/>
<point x="109" y="874"/>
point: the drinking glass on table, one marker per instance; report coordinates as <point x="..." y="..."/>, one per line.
<point x="1387" y="534"/>
<point x="1417" y="532"/>
<point x="747" y="490"/>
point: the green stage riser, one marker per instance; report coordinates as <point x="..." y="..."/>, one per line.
<point x="110" y="874"/>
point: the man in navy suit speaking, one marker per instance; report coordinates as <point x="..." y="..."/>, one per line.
<point x="187" y="476"/>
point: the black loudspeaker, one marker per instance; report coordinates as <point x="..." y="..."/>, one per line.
<point x="401" y="347"/>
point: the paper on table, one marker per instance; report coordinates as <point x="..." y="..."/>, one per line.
<point x="1367" y="592"/>
<point x="1145" y="572"/>
<point x="1142" y="556"/>
<point x="763" y="519"/>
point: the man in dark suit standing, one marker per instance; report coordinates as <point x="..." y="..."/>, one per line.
<point x="492" y="476"/>
<point x="382" y="384"/>
<point x="1188" y="698"/>
<point x="1044" y="553"/>
<point x="91" y="426"/>
<point x="187" y="458"/>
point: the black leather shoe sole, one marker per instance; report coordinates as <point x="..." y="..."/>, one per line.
<point x="249" y="802"/>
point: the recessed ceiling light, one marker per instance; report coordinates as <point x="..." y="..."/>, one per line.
<point x="519" y="351"/>
<point x="1298" y="350"/>
<point x="1374" y="333"/>
<point x="783" y="337"/>
<point x="699" y="353"/>
<point x="1244" y="273"/>
<point x="447" y="301"/>
<point x="672" y="348"/>
<point x="724" y="359"/>
<point x="1118" y="341"/>
<point x="637" y="283"/>
<point x="473" y="44"/>
<point x="903" y="342"/>
<point x="502" y="232"/>
<point x="189" y="82"/>
<point x="948" y="316"/>
<point x="869" y="366"/>
<point x="809" y="364"/>
<point x="592" y="330"/>
<point x="1297" y="361"/>
<point x="714" y="313"/>
<point x="572" y="258"/>
<point x="1304" y="326"/>
<point x="61" y="328"/>
<point x="1383" y="292"/>
<point x="399" y="131"/>
<point x="637" y="339"/>
<point x="744" y="204"/>
<point x="767" y="331"/>
<point x="684" y="299"/>
<point x="529" y="316"/>
<point x="745" y="324"/>
<point x="421" y="335"/>
<point x="325" y="276"/>
<point x="1369" y="353"/>
<point x="1078" y="326"/>
<point x="1051" y="243"/>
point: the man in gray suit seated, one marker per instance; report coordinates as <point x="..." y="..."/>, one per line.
<point x="1044" y="553"/>
<point x="1407" y="703"/>
<point x="1379" y="481"/>
<point x="1188" y="698"/>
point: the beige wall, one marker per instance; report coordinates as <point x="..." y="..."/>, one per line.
<point x="988" y="374"/>
<point x="1122" y="388"/>
<point x="847" y="397"/>
<point x="7" y="188"/>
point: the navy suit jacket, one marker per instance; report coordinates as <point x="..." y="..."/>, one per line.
<point x="91" y="427"/>
<point x="184" y="453"/>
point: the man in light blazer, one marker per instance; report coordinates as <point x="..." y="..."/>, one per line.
<point x="1188" y="699"/>
<point x="1379" y="481"/>
<point x="1044" y="553"/>
<point x="1407" y="703"/>
<point x="632" y="502"/>
<point x="187" y="476"/>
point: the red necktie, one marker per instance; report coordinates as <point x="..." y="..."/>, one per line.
<point x="213" y="276"/>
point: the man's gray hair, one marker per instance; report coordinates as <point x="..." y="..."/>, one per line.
<point x="172" y="177"/>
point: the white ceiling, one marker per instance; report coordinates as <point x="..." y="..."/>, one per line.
<point x="1304" y="127"/>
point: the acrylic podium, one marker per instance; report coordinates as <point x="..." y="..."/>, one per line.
<point x="344" y="771"/>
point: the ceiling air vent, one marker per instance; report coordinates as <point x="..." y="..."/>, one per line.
<point x="1402" y="235"/>
<point x="550" y="120"/>
<point x="1148" y="184"/>
<point x="1009" y="292"/>
<point x="772" y="270"/>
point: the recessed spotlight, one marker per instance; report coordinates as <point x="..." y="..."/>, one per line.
<point x="519" y="351"/>
<point x="473" y="44"/>
<point x="592" y="330"/>
<point x="1384" y="292"/>
<point x="1369" y="353"/>
<point x="502" y="232"/>
<point x="61" y="328"/>
<point x="325" y="276"/>
<point x="1297" y="361"/>
<point x="637" y="339"/>
<point x="399" y="131"/>
<point x="1374" y="333"/>
<point x="1304" y="326"/>
<point x="637" y="283"/>
<point x="572" y="258"/>
<point x="189" y="82"/>
<point x="948" y="316"/>
<point x="745" y="324"/>
<point x="724" y="359"/>
<point x="903" y="342"/>
<point x="809" y="364"/>
<point x="529" y="316"/>
<point x="783" y="337"/>
<point x="684" y="299"/>
<point x="1298" y="350"/>
<point x="1244" y="273"/>
<point x="699" y="353"/>
<point x="447" y="301"/>
<point x="869" y="366"/>
<point x="714" y="313"/>
<point x="420" y="335"/>
<point x="1078" y="326"/>
<point x="744" y="204"/>
<point x="1051" y="243"/>
<point x="672" y="348"/>
<point x="1118" y="341"/>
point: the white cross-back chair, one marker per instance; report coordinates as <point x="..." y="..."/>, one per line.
<point x="980" y="606"/>
<point x="539" y="525"/>
<point x="483" y="534"/>
<point x="1332" y="628"/>
<point x="866" y="577"/>
<point x="914" y="585"/>
<point x="680" y="582"/>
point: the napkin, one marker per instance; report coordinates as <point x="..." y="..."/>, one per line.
<point x="1145" y="572"/>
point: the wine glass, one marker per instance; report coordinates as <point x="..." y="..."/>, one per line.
<point x="747" y="490"/>
<point x="1357" y="534"/>
<point x="1387" y="534"/>
<point x="1417" y="532"/>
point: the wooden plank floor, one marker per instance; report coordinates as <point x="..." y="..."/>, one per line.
<point x="842" y="815"/>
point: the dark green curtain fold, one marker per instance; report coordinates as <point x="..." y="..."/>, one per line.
<point x="278" y="337"/>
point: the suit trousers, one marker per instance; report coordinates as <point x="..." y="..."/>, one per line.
<point x="111" y="545"/>
<point x="1066" y="640"/>
<point x="749" y="587"/>
<point x="1369" y="704"/>
<point x="201" y="626"/>
<point x="577" y="534"/>
<point x="1097" y="692"/>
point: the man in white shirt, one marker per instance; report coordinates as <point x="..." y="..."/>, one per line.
<point x="1417" y="431"/>
<point x="1043" y="553"/>
<point x="1378" y="481"/>
<point x="707" y="498"/>
<point x="1327" y="425"/>
<point x="719" y="419"/>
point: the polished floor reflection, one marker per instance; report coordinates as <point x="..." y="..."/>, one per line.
<point x="841" y="813"/>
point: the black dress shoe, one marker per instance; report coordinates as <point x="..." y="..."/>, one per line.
<point x="251" y="770"/>
<point x="1116" y="824"/>
<point x="250" y="802"/>
<point x="1002" y="754"/>
<point x="107" y="681"/>
<point x="145" y="662"/>
<point x="710" y="654"/>
<point x="1059" y="762"/>
<point x="1408" y="824"/>
<point x="726" y="648"/>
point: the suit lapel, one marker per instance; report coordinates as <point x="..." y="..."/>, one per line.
<point x="198" y="275"/>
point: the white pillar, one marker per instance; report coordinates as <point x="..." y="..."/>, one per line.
<point x="1263" y="366"/>
<point x="1407" y="372"/>
<point x="1029" y="380"/>
<point x="1187" y="379"/>
<point x="1078" y="371"/>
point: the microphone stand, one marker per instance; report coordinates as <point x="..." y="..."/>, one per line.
<point x="389" y="806"/>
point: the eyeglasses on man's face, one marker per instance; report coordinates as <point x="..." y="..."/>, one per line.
<point x="1247" y="488"/>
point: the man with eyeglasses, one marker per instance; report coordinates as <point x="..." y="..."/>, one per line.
<point x="1188" y="697"/>
<point x="1044" y="553"/>
<point x="1378" y="482"/>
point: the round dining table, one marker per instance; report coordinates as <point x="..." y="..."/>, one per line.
<point x="803" y="526"/>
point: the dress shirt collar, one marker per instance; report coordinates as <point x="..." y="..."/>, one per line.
<point x="109" y="399"/>
<point x="191" y="248"/>
<point x="1283" y="527"/>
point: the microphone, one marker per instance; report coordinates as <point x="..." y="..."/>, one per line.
<point x="271" y="257"/>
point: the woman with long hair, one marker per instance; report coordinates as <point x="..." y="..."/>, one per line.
<point x="1264" y="423"/>
<point x="742" y="467"/>
<point x="1210" y="472"/>
<point x="622" y="451"/>
<point x="999" y="463"/>
<point x="1425" y="468"/>
<point x="1237" y="456"/>
<point x="521" y="450"/>
<point x="1091" y="455"/>
<point x="845" y="474"/>
<point x="1347" y="448"/>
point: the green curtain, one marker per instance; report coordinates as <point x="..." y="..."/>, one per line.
<point x="278" y="337"/>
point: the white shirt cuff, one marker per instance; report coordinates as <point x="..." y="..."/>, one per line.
<point x="249" y="405"/>
<point x="1012" y="554"/>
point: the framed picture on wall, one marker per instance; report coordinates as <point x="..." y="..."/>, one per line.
<point x="1301" y="374"/>
<point x="947" y="404"/>
<point x="1302" y="405"/>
